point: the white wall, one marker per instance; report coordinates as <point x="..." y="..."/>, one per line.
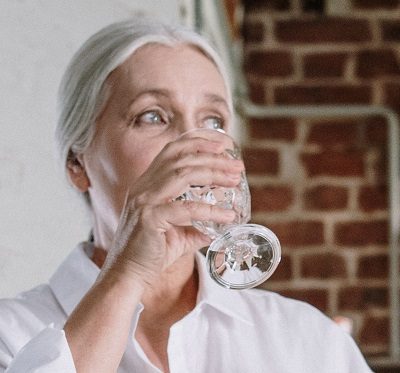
<point x="41" y="219"/>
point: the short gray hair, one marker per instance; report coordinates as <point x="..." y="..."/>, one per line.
<point x="82" y="91"/>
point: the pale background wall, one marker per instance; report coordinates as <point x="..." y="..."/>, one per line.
<point x="41" y="219"/>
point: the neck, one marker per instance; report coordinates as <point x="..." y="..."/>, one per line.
<point x="175" y="294"/>
<point x="164" y="305"/>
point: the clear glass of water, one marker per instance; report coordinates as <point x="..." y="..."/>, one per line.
<point x="241" y="255"/>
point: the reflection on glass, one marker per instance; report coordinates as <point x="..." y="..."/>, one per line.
<point x="241" y="255"/>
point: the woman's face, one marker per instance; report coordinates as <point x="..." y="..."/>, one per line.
<point x="156" y="95"/>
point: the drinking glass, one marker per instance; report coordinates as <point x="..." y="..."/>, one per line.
<point x="241" y="255"/>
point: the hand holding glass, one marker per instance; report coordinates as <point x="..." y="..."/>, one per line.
<point x="241" y="255"/>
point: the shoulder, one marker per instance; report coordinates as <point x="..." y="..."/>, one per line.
<point x="292" y="318"/>
<point x="25" y="315"/>
<point x="34" y="306"/>
<point x="304" y="329"/>
<point x="280" y="306"/>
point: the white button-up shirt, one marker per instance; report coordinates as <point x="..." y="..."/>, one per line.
<point x="246" y="331"/>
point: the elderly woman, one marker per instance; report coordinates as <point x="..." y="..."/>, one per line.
<point x="136" y="298"/>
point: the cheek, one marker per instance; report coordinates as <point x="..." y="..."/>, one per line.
<point x="132" y="162"/>
<point x="118" y="161"/>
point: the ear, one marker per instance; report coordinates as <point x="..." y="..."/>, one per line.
<point x="77" y="173"/>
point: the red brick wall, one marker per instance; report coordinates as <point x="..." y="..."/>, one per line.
<point x="321" y="184"/>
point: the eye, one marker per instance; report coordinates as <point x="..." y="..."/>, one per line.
<point x="214" y="122"/>
<point x="152" y="117"/>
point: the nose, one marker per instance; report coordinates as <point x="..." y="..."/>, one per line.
<point x="185" y="123"/>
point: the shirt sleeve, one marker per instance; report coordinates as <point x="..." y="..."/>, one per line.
<point x="357" y="362"/>
<point x="348" y="357"/>
<point x="48" y="352"/>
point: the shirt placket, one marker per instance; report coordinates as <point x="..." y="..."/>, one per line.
<point x="177" y="356"/>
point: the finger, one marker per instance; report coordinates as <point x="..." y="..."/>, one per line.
<point x="218" y="161"/>
<point x="212" y="135"/>
<point x="182" y="146"/>
<point x="184" y="178"/>
<point x="181" y="180"/>
<point x="190" y="161"/>
<point x="183" y="213"/>
<point x="164" y="182"/>
<point x="193" y="161"/>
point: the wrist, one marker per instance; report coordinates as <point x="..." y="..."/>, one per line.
<point x="127" y="275"/>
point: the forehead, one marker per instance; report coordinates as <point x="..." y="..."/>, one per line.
<point x="158" y="64"/>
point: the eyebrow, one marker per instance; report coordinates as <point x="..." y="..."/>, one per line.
<point x="213" y="98"/>
<point x="160" y="92"/>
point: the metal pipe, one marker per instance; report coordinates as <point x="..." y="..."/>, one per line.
<point x="198" y="16"/>
<point x="321" y="111"/>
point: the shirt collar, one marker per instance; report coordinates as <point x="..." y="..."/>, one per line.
<point x="228" y="301"/>
<point x="76" y="275"/>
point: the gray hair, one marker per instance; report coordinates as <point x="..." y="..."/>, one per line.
<point x="83" y="90"/>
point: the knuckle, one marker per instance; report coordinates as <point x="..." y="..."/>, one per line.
<point x="146" y="214"/>
<point x="190" y="206"/>
<point x="210" y="175"/>
<point x="179" y="155"/>
<point x="168" y="146"/>
<point x="198" y="144"/>
<point x="140" y="201"/>
<point x="182" y="171"/>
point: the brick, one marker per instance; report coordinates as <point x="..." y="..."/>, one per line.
<point x="261" y="161"/>
<point x="323" y="94"/>
<point x="334" y="163"/>
<point x="372" y="198"/>
<point x="390" y="31"/>
<point x="373" y="266"/>
<point x="322" y="30"/>
<point x="355" y="298"/>
<point x="230" y="7"/>
<point x="356" y="233"/>
<point x="271" y="198"/>
<point x="269" y="63"/>
<point x="380" y="165"/>
<point x="313" y="6"/>
<point x="377" y="63"/>
<point x="298" y="233"/>
<point x="317" y="297"/>
<point x="253" y="32"/>
<point x="376" y="131"/>
<point x="257" y="93"/>
<point x="391" y="95"/>
<point x="326" y="198"/>
<point x="324" y="65"/>
<point x="375" y="330"/>
<point x="276" y="5"/>
<point x="284" y="270"/>
<point x="283" y="129"/>
<point x="377" y="367"/>
<point x="375" y="4"/>
<point x="334" y="133"/>
<point x="323" y="266"/>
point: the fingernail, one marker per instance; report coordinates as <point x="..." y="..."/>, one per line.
<point x="238" y="164"/>
<point x="233" y="177"/>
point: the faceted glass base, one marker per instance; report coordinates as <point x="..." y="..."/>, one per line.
<point x="244" y="256"/>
